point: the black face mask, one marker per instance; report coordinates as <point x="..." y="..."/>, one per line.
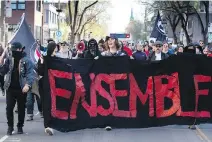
<point x="17" y="55"/>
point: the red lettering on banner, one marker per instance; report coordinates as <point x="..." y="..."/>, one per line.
<point x="118" y="93"/>
<point x="80" y="95"/>
<point x="169" y="90"/>
<point x="198" y="79"/>
<point x="102" y="92"/>
<point x="136" y="92"/>
<point x="58" y="92"/>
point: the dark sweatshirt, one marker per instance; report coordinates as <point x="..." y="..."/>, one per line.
<point x="139" y="55"/>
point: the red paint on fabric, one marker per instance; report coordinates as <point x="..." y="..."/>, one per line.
<point x="170" y="91"/>
<point x="136" y="92"/>
<point x="58" y="92"/>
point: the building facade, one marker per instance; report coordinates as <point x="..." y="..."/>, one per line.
<point x="33" y="13"/>
<point x="52" y="20"/>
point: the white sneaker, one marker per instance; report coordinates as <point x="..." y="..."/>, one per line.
<point x="108" y="128"/>
<point x="49" y="131"/>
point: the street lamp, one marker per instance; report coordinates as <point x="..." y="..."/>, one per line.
<point x="59" y="10"/>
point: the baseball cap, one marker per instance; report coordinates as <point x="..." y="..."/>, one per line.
<point x="16" y="45"/>
<point x="158" y="43"/>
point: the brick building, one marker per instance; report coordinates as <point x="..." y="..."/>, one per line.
<point x="33" y="13"/>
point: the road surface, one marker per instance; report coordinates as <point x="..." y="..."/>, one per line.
<point x="34" y="132"/>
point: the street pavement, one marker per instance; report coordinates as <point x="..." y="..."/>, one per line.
<point x="34" y="132"/>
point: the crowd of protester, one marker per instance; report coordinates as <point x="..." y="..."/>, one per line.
<point x="153" y="51"/>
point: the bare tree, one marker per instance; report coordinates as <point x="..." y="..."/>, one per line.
<point x="75" y="17"/>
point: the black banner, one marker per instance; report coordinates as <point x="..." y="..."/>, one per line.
<point x="124" y="93"/>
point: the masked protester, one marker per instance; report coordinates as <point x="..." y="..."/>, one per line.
<point x="93" y="50"/>
<point x="18" y="82"/>
<point x="42" y="63"/>
<point x="190" y="48"/>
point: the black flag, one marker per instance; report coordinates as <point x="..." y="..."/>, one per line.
<point x="158" y="31"/>
<point x="24" y="35"/>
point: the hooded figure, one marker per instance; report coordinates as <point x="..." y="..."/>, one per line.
<point x="190" y="49"/>
<point x="18" y="82"/>
<point x="93" y="50"/>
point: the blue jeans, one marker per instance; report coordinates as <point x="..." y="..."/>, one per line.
<point x="30" y="103"/>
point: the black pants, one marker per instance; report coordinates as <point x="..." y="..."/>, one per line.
<point x="2" y="82"/>
<point x="41" y="92"/>
<point x="11" y="98"/>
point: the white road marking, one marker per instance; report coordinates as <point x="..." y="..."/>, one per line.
<point x="202" y="134"/>
<point x="4" y="138"/>
<point x="11" y="139"/>
<point x="37" y="113"/>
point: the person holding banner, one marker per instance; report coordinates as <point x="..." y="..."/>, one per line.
<point x="113" y="48"/>
<point x="158" y="55"/>
<point x="93" y="51"/>
<point x="18" y="82"/>
<point x="42" y="63"/>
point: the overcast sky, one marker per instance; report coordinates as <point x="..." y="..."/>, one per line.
<point x="120" y="14"/>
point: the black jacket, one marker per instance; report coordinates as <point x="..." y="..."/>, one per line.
<point x="152" y="56"/>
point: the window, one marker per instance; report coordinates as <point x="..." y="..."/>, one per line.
<point x="12" y="27"/>
<point x="18" y="5"/>
<point x="13" y="4"/>
<point x="37" y="32"/>
<point x="47" y="16"/>
<point x="38" y="5"/>
<point x="50" y="16"/>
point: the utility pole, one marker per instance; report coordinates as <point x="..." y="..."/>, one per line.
<point x="7" y="13"/>
<point x="58" y="17"/>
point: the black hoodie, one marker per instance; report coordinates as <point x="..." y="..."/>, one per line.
<point x="92" y="46"/>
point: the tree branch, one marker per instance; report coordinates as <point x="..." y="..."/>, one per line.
<point x="83" y="12"/>
<point x="70" y="14"/>
<point x="76" y="3"/>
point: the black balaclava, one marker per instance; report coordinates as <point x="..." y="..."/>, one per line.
<point x="190" y="49"/>
<point x="93" y="47"/>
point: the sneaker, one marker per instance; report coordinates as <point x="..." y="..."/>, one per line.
<point x="30" y="118"/>
<point x="49" y="131"/>
<point x="108" y="128"/>
<point x="10" y="131"/>
<point x="20" y="130"/>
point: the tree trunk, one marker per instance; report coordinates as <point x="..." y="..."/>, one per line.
<point x="72" y="38"/>
<point x="205" y="36"/>
<point x="174" y="36"/>
<point x="78" y="37"/>
<point x="188" y="40"/>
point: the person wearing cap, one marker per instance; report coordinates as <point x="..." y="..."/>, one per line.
<point x="18" y="82"/>
<point x="158" y="55"/>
